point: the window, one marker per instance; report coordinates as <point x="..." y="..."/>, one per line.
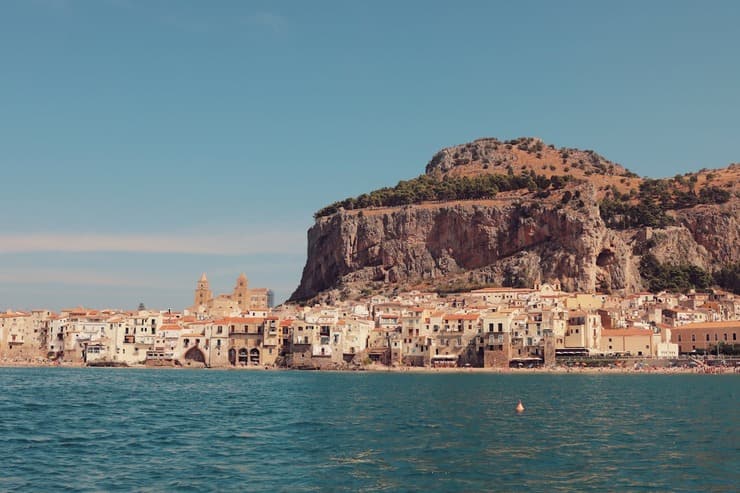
<point x="707" y="337"/>
<point x="693" y="338"/>
<point x="219" y="329"/>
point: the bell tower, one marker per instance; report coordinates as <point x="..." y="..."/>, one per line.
<point x="203" y="293"/>
<point x="241" y="291"/>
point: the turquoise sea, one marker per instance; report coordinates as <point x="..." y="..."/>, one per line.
<point x="102" y="429"/>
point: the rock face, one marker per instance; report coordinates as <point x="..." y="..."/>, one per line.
<point x="502" y="243"/>
<point x="514" y="240"/>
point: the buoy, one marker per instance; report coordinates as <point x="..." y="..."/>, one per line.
<point x="520" y="407"/>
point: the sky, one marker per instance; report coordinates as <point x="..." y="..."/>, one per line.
<point x="143" y="142"/>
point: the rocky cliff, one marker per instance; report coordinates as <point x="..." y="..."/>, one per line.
<point x="515" y="238"/>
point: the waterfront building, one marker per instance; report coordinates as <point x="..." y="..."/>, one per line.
<point x="630" y="341"/>
<point x="583" y="330"/>
<point x="706" y="336"/>
<point x="16" y="336"/>
<point x="489" y="327"/>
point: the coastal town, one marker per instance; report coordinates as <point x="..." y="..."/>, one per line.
<point x="496" y="327"/>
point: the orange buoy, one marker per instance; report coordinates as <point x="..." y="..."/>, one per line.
<point x="520" y="407"/>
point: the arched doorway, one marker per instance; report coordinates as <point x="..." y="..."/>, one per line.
<point x="243" y="356"/>
<point x="232" y="356"/>
<point x="195" y="354"/>
<point x="254" y="356"/>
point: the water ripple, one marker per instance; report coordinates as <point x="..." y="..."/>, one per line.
<point x="152" y="430"/>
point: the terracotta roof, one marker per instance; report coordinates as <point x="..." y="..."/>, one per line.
<point x="725" y="324"/>
<point x="462" y="316"/>
<point x="502" y="290"/>
<point x="245" y="320"/>
<point x="629" y="331"/>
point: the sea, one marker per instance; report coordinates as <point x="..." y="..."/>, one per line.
<point x="106" y="429"/>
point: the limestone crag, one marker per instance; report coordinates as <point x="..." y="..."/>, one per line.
<point x="516" y="238"/>
<point x="716" y="229"/>
<point x="502" y="243"/>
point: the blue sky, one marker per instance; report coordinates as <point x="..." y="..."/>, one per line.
<point x="143" y="142"/>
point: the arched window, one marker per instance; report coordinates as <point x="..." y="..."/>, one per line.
<point x="243" y="356"/>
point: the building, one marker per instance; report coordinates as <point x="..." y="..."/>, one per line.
<point x="706" y="336"/>
<point x="630" y="341"/>
<point x="241" y="300"/>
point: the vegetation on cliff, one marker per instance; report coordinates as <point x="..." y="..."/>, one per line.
<point x="729" y="278"/>
<point x="428" y="188"/>
<point x="672" y="277"/>
<point x="620" y="211"/>
<point x="683" y="277"/>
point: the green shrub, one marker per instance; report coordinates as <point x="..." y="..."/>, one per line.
<point x="426" y="188"/>
<point x="729" y="278"/>
<point x="673" y="277"/>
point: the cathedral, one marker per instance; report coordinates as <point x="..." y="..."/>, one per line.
<point x="241" y="300"/>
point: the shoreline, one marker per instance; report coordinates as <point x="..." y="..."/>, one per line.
<point x="557" y="370"/>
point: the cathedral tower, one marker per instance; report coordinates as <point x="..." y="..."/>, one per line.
<point x="203" y="293"/>
<point x="241" y="292"/>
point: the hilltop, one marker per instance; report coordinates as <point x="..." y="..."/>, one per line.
<point x="514" y="212"/>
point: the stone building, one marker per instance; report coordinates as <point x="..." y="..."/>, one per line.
<point x="241" y="300"/>
<point x="706" y="336"/>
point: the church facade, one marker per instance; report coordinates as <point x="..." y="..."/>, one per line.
<point x="241" y="300"/>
